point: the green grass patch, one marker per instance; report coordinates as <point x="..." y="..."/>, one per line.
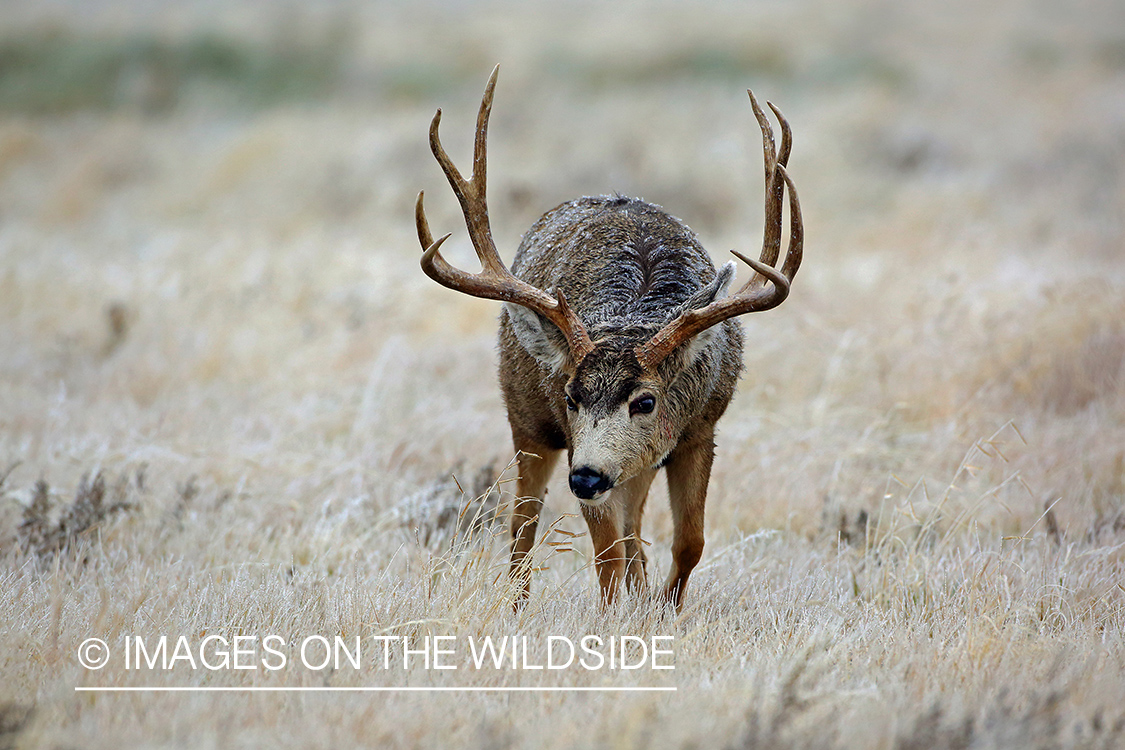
<point x="53" y="72"/>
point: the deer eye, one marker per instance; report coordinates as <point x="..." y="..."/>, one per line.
<point x="642" y="405"/>
<point x="570" y="403"/>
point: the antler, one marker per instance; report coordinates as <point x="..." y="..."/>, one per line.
<point x="752" y="297"/>
<point x="494" y="281"/>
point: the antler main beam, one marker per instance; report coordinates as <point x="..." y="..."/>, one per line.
<point x="752" y="297"/>
<point x="494" y="281"/>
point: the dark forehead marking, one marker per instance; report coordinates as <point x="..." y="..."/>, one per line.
<point x="607" y="375"/>
<point x="606" y="392"/>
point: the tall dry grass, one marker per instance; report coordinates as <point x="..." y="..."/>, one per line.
<point x="231" y="404"/>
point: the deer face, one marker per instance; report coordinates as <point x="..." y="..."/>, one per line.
<point x="618" y="420"/>
<point x="623" y="417"/>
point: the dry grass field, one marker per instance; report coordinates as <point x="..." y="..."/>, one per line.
<point x="231" y="404"/>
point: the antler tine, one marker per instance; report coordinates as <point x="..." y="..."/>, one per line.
<point x="494" y="281"/>
<point x="769" y="147"/>
<point x="786" y="136"/>
<point x="771" y="239"/>
<point x="424" y="236"/>
<point x="795" y="252"/>
<point x="751" y="297"/>
<point x="480" y="143"/>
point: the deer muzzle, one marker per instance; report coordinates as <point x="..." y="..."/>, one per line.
<point x="587" y="483"/>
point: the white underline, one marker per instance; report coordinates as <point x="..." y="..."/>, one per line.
<point x="320" y="689"/>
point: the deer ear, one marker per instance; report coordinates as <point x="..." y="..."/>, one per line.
<point x="540" y="337"/>
<point x="717" y="289"/>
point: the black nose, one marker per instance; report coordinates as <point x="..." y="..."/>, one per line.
<point x="585" y="482"/>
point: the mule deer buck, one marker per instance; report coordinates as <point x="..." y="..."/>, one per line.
<point x="617" y="345"/>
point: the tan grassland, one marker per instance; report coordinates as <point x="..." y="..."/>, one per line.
<point x="231" y="404"/>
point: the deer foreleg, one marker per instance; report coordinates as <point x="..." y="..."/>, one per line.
<point x="689" y="470"/>
<point x="535" y="469"/>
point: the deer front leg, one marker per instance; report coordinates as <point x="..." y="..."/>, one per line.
<point x="614" y="530"/>
<point x="609" y="548"/>
<point x="535" y="464"/>
<point x="689" y="470"/>
<point x="633" y="495"/>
